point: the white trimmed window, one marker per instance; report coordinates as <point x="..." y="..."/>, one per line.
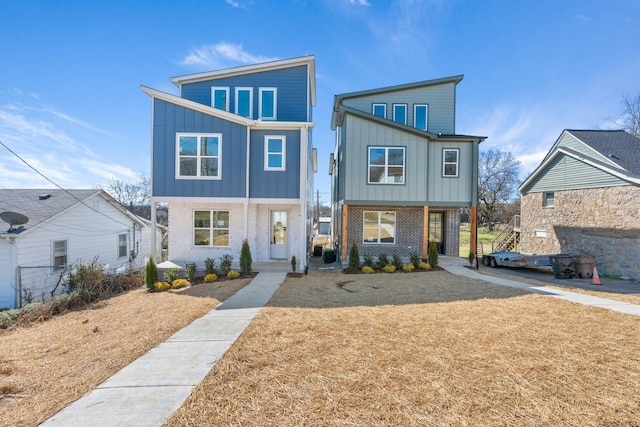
<point x="450" y="159"/>
<point x="379" y="227"/>
<point x="244" y="101"/>
<point x="220" y="98"/>
<point x="268" y="103"/>
<point x="199" y="155"/>
<point x="421" y="116"/>
<point x="386" y="165"/>
<point x="59" y="254"/>
<point x="122" y="245"/>
<point x="211" y="228"/>
<point x="548" y="199"/>
<point x="400" y="113"/>
<point x="275" y="153"/>
<point x="379" y="110"/>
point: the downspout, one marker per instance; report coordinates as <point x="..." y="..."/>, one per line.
<point x="304" y="170"/>
<point x="152" y="202"/>
<point x="246" y="199"/>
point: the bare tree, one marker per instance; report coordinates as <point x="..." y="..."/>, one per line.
<point x="631" y="114"/>
<point x="133" y="196"/>
<point x="498" y="173"/>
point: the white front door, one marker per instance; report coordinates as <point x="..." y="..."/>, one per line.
<point x="279" y="230"/>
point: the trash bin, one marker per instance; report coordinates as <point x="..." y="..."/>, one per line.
<point x="563" y="266"/>
<point x="328" y="256"/>
<point x="584" y="265"/>
<point x="317" y="250"/>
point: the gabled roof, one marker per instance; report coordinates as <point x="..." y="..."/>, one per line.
<point x="249" y="69"/>
<point x="40" y="205"/>
<point x="613" y="151"/>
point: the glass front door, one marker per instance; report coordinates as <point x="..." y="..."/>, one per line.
<point x="436" y="229"/>
<point x="279" y="245"/>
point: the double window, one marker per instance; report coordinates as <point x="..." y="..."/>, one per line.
<point x="450" y="159"/>
<point x="199" y="155"/>
<point x="275" y="153"/>
<point x="122" y="245"/>
<point x="379" y="227"/>
<point x="211" y="228"/>
<point x="59" y="252"/>
<point x="220" y="98"/>
<point x="400" y="113"/>
<point x="386" y="165"/>
<point x="268" y="103"/>
<point x="244" y="101"/>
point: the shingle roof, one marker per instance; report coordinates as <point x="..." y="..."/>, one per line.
<point x="34" y="204"/>
<point x="619" y="146"/>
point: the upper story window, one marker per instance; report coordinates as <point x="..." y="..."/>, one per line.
<point x="400" y="113"/>
<point x="275" y="153"/>
<point x="548" y="199"/>
<point x="379" y="227"/>
<point x="244" y="101"/>
<point x="420" y="116"/>
<point x="450" y="161"/>
<point x="386" y="165"/>
<point x="211" y="228"/>
<point x="122" y="245"/>
<point x="379" y="110"/>
<point x="268" y="103"/>
<point x="220" y="98"/>
<point x="59" y="252"/>
<point x="199" y="155"/>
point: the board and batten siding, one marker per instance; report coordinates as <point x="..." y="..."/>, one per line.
<point x="354" y="172"/>
<point x="170" y="119"/>
<point x="275" y="184"/>
<point x="440" y="98"/>
<point x="7" y="275"/>
<point x="292" y="91"/>
<point x="451" y="191"/>
<point x="568" y="173"/>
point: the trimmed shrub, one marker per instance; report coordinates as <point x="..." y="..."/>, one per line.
<point x="367" y="260"/>
<point x="432" y="255"/>
<point x="171" y="274"/>
<point x="225" y="263"/>
<point x="383" y="260"/>
<point x="397" y="261"/>
<point x="233" y="275"/>
<point x="294" y="263"/>
<point x="180" y="283"/>
<point x="150" y="273"/>
<point x="190" y="269"/>
<point x="245" y="258"/>
<point x="210" y="278"/>
<point x="425" y="266"/>
<point x="471" y="257"/>
<point x="354" y="257"/>
<point x="414" y="258"/>
<point x="160" y="286"/>
<point x="367" y="269"/>
<point x="408" y="268"/>
<point x="389" y="268"/>
<point x="209" y="266"/>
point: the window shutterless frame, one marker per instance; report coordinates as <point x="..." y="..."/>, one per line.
<point x="275" y="153"/>
<point x="386" y="165"/>
<point x="450" y="162"/>
<point x="211" y="228"/>
<point x="220" y="97"/>
<point x="199" y="156"/>
<point x="244" y="101"/>
<point x="378" y="227"/>
<point x="421" y="116"/>
<point x="268" y="103"/>
<point x="379" y="110"/>
<point x="122" y="245"/>
<point x="400" y="113"/>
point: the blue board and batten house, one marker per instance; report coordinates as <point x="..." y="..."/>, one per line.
<point x="401" y="174"/>
<point x="232" y="157"/>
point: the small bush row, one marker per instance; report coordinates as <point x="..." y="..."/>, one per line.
<point x="394" y="264"/>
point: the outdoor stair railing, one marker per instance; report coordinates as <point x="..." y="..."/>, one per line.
<point x="509" y="238"/>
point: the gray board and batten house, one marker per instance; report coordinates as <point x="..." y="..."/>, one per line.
<point x="400" y="173"/>
<point x="584" y="197"/>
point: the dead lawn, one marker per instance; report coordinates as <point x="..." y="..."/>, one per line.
<point x="422" y="349"/>
<point x="48" y="365"/>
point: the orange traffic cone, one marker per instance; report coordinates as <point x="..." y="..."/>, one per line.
<point x="595" y="280"/>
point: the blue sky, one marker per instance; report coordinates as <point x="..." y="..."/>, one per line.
<point x="71" y="106"/>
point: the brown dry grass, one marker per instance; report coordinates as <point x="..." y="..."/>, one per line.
<point x="46" y="366"/>
<point x="422" y="349"/>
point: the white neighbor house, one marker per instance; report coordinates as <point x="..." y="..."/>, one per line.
<point x="64" y="227"/>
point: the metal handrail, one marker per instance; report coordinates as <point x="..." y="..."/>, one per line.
<point x="506" y="233"/>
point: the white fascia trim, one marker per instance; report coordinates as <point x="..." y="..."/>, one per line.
<point x="209" y="200"/>
<point x="584" y="159"/>
<point x="259" y="124"/>
<point x="267" y="201"/>
<point x="265" y="66"/>
<point x="197" y="106"/>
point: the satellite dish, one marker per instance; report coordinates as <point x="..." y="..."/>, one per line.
<point x="13" y="218"/>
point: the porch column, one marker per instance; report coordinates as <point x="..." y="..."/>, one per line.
<point x="473" y="223"/>
<point x="344" y="248"/>
<point x="425" y="232"/>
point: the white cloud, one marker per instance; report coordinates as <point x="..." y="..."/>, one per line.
<point x="222" y="55"/>
<point x="360" y="2"/>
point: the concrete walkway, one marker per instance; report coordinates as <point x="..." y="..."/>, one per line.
<point x="457" y="266"/>
<point x="153" y="387"/>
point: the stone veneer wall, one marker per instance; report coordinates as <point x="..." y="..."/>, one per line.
<point x="409" y="224"/>
<point x="603" y="222"/>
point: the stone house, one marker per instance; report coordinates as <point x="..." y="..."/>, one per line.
<point x="585" y="198"/>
